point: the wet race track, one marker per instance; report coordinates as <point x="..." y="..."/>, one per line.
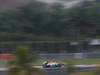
<point x="2" y="72"/>
<point x="57" y="71"/>
<point x="54" y="71"/>
<point x="48" y="72"/>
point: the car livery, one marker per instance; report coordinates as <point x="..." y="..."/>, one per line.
<point x="50" y="64"/>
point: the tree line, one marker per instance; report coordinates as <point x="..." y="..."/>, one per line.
<point x="40" y="19"/>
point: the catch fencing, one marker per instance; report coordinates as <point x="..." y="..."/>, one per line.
<point x="69" y="55"/>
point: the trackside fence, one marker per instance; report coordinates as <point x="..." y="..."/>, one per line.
<point x="70" y="55"/>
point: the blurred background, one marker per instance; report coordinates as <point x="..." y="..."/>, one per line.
<point x="54" y="29"/>
<point x="50" y="26"/>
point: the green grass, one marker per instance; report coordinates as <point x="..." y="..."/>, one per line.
<point x="74" y="61"/>
<point x="92" y="72"/>
<point x="3" y="63"/>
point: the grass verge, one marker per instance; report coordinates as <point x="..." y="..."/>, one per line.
<point x="74" y="61"/>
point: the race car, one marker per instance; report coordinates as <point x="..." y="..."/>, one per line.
<point x="51" y="64"/>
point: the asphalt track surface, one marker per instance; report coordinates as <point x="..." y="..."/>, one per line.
<point x="49" y="71"/>
<point x="58" y="71"/>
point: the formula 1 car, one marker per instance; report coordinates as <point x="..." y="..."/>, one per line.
<point x="50" y="64"/>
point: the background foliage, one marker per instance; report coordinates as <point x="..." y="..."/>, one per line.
<point x="40" y="19"/>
